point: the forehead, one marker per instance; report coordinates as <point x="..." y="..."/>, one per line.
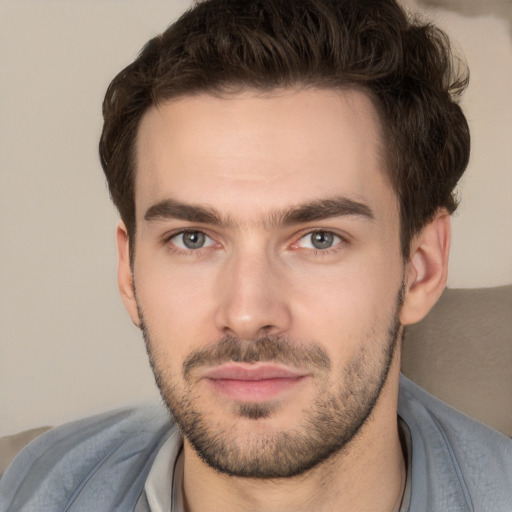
<point x="254" y="151"/>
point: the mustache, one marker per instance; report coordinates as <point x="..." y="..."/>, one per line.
<point x="276" y="349"/>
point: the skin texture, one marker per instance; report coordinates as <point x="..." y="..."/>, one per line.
<point x="291" y="264"/>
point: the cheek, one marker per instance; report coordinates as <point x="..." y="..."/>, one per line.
<point x="348" y="302"/>
<point x="176" y="305"/>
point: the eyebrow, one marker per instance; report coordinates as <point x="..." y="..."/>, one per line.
<point x="307" y="212"/>
<point x="324" y="209"/>
<point x="171" y="209"/>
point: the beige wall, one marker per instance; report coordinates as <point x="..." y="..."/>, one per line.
<point x="67" y="348"/>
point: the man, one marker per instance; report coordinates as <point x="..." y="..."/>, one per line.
<point x="284" y="172"/>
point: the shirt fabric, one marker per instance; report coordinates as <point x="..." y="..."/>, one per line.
<point x="126" y="460"/>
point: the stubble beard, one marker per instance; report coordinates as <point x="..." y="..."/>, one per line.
<point x="327" y="428"/>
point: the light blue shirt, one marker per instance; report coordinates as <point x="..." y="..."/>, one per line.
<point x="102" y="463"/>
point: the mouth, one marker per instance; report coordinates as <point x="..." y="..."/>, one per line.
<point x="252" y="383"/>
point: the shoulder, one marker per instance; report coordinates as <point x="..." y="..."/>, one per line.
<point x="455" y="459"/>
<point x="87" y="464"/>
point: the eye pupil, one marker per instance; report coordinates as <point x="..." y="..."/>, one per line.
<point x="322" y="239"/>
<point x="193" y="239"/>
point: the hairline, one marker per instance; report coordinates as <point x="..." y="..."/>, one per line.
<point x="230" y="90"/>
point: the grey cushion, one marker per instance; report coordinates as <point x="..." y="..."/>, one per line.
<point x="462" y="353"/>
<point x="11" y="445"/>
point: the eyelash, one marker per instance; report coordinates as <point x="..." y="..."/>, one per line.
<point x="343" y="242"/>
<point x="186" y="252"/>
<point x="338" y="246"/>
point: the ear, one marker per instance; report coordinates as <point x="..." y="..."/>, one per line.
<point x="124" y="273"/>
<point x="427" y="268"/>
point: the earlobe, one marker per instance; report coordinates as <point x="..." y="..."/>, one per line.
<point x="124" y="273"/>
<point x="427" y="268"/>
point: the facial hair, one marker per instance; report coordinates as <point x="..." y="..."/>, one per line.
<point x="331" y="422"/>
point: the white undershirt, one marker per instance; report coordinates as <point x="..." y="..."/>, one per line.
<point x="167" y="469"/>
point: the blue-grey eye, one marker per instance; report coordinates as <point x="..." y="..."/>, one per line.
<point x="191" y="240"/>
<point x="319" y="240"/>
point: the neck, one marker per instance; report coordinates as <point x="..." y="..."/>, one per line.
<point x="369" y="474"/>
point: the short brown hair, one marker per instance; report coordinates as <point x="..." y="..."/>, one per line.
<point x="224" y="46"/>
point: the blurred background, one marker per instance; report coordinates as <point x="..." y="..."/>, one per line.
<point x="67" y="347"/>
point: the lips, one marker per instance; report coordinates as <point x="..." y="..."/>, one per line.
<point x="240" y="371"/>
<point x="252" y="383"/>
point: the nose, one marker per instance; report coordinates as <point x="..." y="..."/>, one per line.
<point x="252" y="299"/>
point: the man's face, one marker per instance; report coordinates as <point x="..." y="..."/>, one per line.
<point x="267" y="272"/>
